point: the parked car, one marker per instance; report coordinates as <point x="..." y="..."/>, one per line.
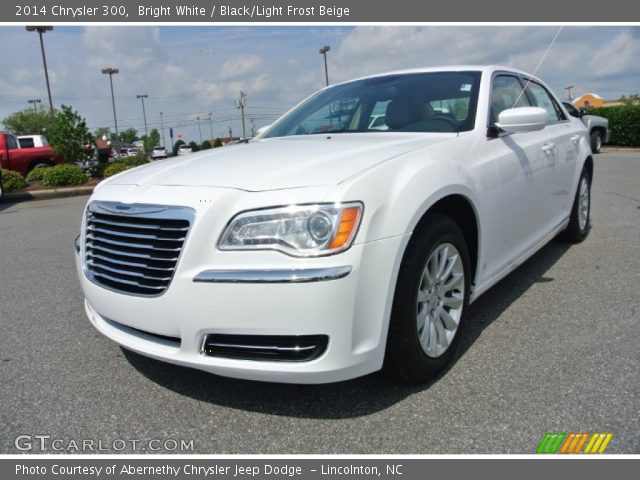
<point x="184" y="149"/>
<point x="24" y="160"/>
<point x="158" y="152"/>
<point x="598" y="127"/>
<point x="320" y="251"/>
<point x="30" y="141"/>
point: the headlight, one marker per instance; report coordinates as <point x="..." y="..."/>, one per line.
<point x="298" y="230"/>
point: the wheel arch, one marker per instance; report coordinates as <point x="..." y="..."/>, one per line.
<point x="37" y="161"/>
<point x="461" y="210"/>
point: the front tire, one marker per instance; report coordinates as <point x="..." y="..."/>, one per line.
<point x="596" y="141"/>
<point x="431" y="297"/>
<point x="580" y="220"/>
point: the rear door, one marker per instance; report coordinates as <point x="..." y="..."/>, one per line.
<point x="561" y="149"/>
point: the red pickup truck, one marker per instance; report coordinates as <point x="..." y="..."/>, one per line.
<point x="23" y="160"/>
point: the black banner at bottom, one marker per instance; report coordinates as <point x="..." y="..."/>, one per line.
<point x="404" y="468"/>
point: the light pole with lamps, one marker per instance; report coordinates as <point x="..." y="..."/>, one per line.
<point x="144" y="113"/>
<point x="324" y="51"/>
<point x="42" y="29"/>
<point x="35" y="102"/>
<point x="111" y="72"/>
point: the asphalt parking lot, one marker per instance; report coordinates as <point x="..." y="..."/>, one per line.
<point x="553" y="347"/>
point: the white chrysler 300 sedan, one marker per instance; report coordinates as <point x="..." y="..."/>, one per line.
<point x="323" y="249"/>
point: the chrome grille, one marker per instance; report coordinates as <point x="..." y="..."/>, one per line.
<point x="134" y="248"/>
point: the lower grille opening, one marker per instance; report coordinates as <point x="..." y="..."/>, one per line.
<point x="283" y="348"/>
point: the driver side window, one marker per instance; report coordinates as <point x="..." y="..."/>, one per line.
<point x="506" y="92"/>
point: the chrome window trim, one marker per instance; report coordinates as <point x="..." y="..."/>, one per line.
<point x="293" y="275"/>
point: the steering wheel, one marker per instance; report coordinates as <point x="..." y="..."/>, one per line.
<point x="446" y="119"/>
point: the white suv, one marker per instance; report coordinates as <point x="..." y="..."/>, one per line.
<point x="323" y="247"/>
<point x="184" y="149"/>
<point x="158" y="152"/>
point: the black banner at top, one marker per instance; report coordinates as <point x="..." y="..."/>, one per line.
<point x="333" y="11"/>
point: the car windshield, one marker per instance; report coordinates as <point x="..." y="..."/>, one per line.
<point x="417" y="102"/>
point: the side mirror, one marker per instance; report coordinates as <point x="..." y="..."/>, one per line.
<point x="582" y="112"/>
<point x="522" y="119"/>
<point x="261" y="130"/>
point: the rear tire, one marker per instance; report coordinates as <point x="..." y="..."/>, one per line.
<point x="1" y="187"/>
<point x="580" y="220"/>
<point x="40" y="164"/>
<point x="432" y="292"/>
<point x="596" y="141"/>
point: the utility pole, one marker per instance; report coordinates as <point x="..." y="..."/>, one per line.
<point x="42" y="29"/>
<point x="230" y="134"/>
<point x="568" y="88"/>
<point x="199" y="129"/>
<point x="144" y="114"/>
<point x="35" y="102"/>
<point x="240" y="103"/>
<point x="211" y="125"/>
<point x="164" y="145"/>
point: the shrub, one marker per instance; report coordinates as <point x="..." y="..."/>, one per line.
<point x="35" y="175"/>
<point x="116" y="167"/>
<point x="12" y="180"/>
<point x="624" y="123"/>
<point x="97" y="170"/>
<point x="139" y="159"/>
<point x="64" y="174"/>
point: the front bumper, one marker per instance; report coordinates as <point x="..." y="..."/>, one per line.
<point x="346" y="297"/>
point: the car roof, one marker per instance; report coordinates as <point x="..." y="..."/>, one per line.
<point x="489" y="69"/>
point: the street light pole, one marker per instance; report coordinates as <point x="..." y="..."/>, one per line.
<point x="35" y="102"/>
<point x="144" y="113"/>
<point x="111" y="72"/>
<point x="162" y="128"/>
<point x="324" y="51"/>
<point x="42" y="29"/>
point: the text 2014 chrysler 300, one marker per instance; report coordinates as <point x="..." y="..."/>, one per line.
<point x="322" y="249"/>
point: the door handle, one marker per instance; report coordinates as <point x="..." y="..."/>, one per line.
<point x="575" y="138"/>
<point x="548" y="147"/>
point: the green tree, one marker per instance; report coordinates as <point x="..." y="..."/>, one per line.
<point x="176" y="146"/>
<point x="151" y="140"/>
<point x="206" y="145"/>
<point x="101" y="132"/>
<point x="217" y="143"/>
<point x="26" y="122"/>
<point x="194" y="146"/>
<point x="130" y="135"/>
<point x="631" y="99"/>
<point x="69" y="134"/>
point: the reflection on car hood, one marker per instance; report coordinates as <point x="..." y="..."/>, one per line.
<point x="279" y="163"/>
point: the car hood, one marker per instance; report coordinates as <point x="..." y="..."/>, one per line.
<point x="280" y="163"/>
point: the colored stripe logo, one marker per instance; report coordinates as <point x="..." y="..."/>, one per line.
<point x="558" y="442"/>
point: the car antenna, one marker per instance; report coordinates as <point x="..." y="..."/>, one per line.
<point x="535" y="72"/>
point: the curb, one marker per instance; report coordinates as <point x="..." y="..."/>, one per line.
<point x="46" y="194"/>
<point x="605" y="149"/>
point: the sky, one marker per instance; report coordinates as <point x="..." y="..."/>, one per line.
<point x="191" y="71"/>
